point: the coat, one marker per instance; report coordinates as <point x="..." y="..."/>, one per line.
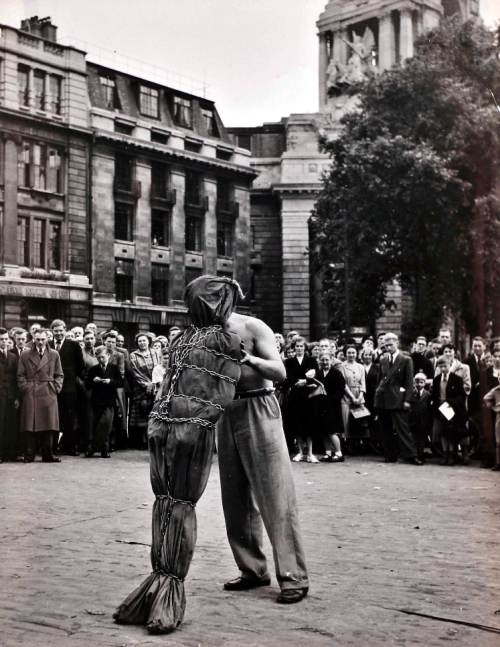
<point x="455" y="397"/>
<point x="4" y="360"/>
<point x="371" y="380"/>
<point x="72" y="363"/>
<point x="395" y="384"/>
<point x="104" y="395"/>
<point x="40" y="380"/>
<point x="422" y="364"/>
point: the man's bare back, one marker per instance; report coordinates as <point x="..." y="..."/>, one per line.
<point x="261" y="365"/>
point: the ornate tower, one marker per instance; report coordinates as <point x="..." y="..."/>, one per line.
<point x="362" y="37"/>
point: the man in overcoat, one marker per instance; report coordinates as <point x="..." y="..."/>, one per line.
<point x="40" y="378"/>
<point x="393" y="400"/>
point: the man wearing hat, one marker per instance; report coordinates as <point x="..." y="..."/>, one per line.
<point x="103" y="380"/>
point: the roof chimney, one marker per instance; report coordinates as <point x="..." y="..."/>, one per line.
<point x="42" y="27"/>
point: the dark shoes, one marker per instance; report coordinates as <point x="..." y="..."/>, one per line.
<point x="105" y="455"/>
<point x="71" y="452"/>
<point x="390" y="459"/>
<point x="291" y="596"/>
<point x="244" y="583"/>
<point x="28" y="460"/>
<point x="51" y="459"/>
<point x="496" y="467"/>
<point x="414" y="461"/>
<point x="89" y="453"/>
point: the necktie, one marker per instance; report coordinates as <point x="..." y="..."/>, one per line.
<point x="58" y="346"/>
<point x="40" y="352"/>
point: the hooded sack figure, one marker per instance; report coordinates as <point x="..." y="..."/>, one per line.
<point x="200" y="383"/>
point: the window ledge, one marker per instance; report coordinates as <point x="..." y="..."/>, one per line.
<point x="45" y="192"/>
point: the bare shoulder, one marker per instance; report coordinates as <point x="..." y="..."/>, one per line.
<point x="248" y="327"/>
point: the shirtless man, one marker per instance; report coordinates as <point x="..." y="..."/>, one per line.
<point x="255" y="471"/>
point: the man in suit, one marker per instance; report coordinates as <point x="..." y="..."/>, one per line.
<point x="448" y="387"/>
<point x="17" y="437"/>
<point x="421" y="363"/>
<point x="40" y="378"/>
<point x="393" y="401"/>
<point x="4" y="338"/>
<point x="475" y="362"/>
<point x="72" y="363"/>
<point x="103" y="379"/>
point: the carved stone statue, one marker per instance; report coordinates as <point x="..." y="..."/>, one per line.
<point x="358" y="68"/>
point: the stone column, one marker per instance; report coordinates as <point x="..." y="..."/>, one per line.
<point x="103" y="223"/>
<point x="386" y="43"/>
<point x="241" y="252"/>
<point x="406" y="34"/>
<point x="340" y="52"/>
<point x="323" y="65"/>
<point x="31" y="87"/>
<point x="9" y="237"/>
<point x="178" y="242"/>
<point x="210" y="226"/>
<point x="142" y="236"/>
<point x="47" y="96"/>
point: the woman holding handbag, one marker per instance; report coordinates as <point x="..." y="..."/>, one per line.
<point x="354" y="395"/>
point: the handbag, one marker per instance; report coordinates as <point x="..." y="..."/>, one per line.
<point x="314" y="388"/>
<point x="360" y="412"/>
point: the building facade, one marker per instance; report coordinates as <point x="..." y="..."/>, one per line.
<point x="116" y="191"/>
<point x="44" y="182"/>
<point x="356" y="37"/>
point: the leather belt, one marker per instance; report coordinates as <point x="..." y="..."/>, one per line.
<point x="253" y="394"/>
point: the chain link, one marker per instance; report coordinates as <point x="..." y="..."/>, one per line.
<point x="200" y="400"/>
<point x="162" y="572"/>
<point x="169" y="496"/>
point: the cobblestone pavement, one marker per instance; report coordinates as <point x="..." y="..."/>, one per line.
<point x="380" y="539"/>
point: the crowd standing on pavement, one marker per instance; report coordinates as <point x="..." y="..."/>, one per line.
<point x="79" y="391"/>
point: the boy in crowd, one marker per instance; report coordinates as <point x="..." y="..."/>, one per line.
<point x="420" y="414"/>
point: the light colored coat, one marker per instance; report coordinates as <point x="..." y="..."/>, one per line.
<point x="40" y="380"/>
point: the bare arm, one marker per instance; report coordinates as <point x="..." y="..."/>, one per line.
<point x="266" y="359"/>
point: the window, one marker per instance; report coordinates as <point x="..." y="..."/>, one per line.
<point x="39" y="83"/>
<point x="40" y="166"/>
<point x="123" y="129"/>
<point x="23" y="85"/>
<point x="159" y="138"/>
<point x="160" y="228"/>
<point x="54" y="261"/>
<point x="192" y="273"/>
<point x="224" y="195"/>
<point x="110" y="93"/>
<point x="159" y="284"/>
<point x="24" y="165"/>
<point x="193" y="233"/>
<point x="124" y="220"/>
<point x="182" y="112"/>
<point x="23" y="241"/>
<point x="124" y="165"/>
<point x="124" y="280"/>
<point x="159" y="180"/>
<point x="38" y="242"/>
<point x="54" y="172"/>
<point x="55" y="94"/>
<point x="210" y="122"/>
<point x="148" y="101"/>
<point x="224" y="238"/>
<point x="193" y="186"/>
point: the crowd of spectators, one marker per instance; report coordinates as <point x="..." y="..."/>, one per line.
<point x="372" y="396"/>
<point x="80" y="391"/>
<point x="76" y="391"/>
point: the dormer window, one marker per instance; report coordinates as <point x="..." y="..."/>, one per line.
<point x="110" y="93"/>
<point x="183" y="112"/>
<point x="210" y="122"/>
<point x="148" y="101"/>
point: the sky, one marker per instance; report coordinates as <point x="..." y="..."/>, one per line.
<point x="258" y="59"/>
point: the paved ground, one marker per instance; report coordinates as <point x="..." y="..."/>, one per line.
<point x="380" y="539"/>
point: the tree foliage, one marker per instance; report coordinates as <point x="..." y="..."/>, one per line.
<point x="414" y="180"/>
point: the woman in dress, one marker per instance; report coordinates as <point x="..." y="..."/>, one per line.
<point x="142" y="363"/>
<point x="354" y="396"/>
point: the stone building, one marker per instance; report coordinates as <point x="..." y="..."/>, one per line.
<point x="356" y="38"/>
<point x="170" y="200"/>
<point x="114" y="191"/>
<point x="44" y="153"/>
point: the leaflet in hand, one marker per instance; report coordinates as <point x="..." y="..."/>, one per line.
<point x="447" y="411"/>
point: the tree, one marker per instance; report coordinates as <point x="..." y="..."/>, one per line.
<point x="414" y="180"/>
